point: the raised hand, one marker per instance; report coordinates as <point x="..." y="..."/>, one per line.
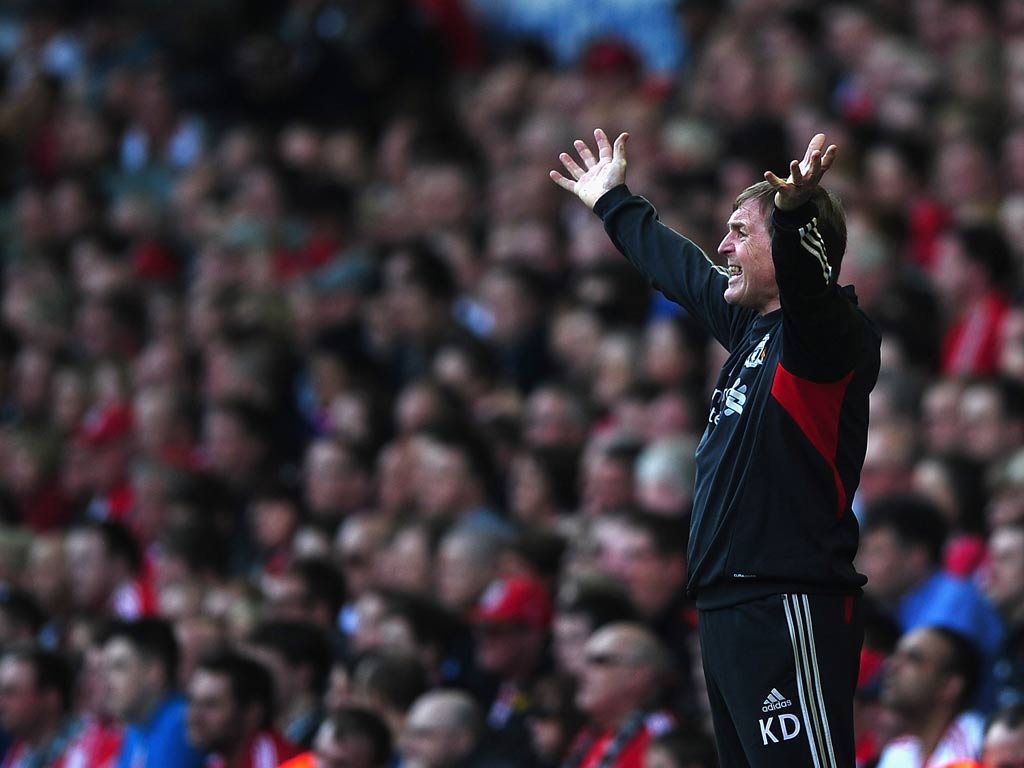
<point x="804" y="175"/>
<point x="598" y="174"/>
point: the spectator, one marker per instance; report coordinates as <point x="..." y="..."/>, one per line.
<point x="511" y="623"/>
<point x="1004" y="738"/>
<point x="298" y="655"/>
<point x="931" y="681"/>
<point x="35" y="707"/>
<point x="388" y="683"/>
<point x="231" y="713"/>
<point x="444" y="728"/>
<point x="467" y="561"/>
<point x="108" y="571"/>
<point x="1004" y="586"/>
<point x="311" y="589"/>
<point x="974" y="261"/>
<point x="584" y="605"/>
<point x="901" y="555"/>
<point x="665" y="475"/>
<point x="350" y="738"/>
<point x="991" y="418"/>
<point x="141" y="660"/>
<point x="337" y="480"/>
<point x="624" y="673"/>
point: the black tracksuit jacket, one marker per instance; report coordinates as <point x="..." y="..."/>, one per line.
<point x="781" y="455"/>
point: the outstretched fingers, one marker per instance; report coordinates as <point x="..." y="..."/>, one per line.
<point x="571" y="165"/>
<point x="585" y="154"/>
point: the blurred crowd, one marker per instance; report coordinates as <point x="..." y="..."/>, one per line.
<point x="332" y="431"/>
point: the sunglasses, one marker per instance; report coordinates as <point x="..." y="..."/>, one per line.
<point x="608" y="660"/>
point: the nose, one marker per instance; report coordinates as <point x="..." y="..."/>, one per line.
<point x="725" y="246"/>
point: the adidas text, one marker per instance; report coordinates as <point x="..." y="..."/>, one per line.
<point x="771" y="707"/>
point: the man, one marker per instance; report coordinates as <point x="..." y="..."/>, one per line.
<point x="930" y="683"/>
<point x="231" y="714"/>
<point x="35" y="707"/>
<point x="467" y="561"/>
<point x="350" y="738"/>
<point x="1004" y="586"/>
<point x="901" y="554"/>
<point x="109" y="571"/>
<point x="511" y="625"/>
<point x="625" y="669"/>
<point x="141" y="662"/>
<point x="444" y="730"/>
<point x="298" y="655"/>
<point x="772" y="534"/>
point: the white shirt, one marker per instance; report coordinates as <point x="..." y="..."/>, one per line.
<point x="961" y="741"/>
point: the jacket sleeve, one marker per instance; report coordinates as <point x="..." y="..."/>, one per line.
<point x="822" y="328"/>
<point x="671" y="263"/>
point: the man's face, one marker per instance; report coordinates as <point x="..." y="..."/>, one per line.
<point x="570" y="632"/>
<point x="880" y="559"/>
<point x="500" y="646"/>
<point x="20" y="701"/>
<point x="1003" y="747"/>
<point x="1005" y="583"/>
<point x="609" y="679"/>
<point x="747" y="250"/>
<point x="214" y="719"/>
<point x="126" y="679"/>
<point x="916" y="673"/>
<point x="87" y="560"/>
<point x="352" y="751"/>
<point x="428" y="740"/>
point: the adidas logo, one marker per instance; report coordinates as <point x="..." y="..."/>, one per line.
<point x="775" y="701"/>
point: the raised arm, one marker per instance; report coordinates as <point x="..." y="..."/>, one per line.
<point x="670" y="262"/>
<point x="824" y="329"/>
<point x="599" y="174"/>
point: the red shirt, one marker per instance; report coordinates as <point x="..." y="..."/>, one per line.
<point x="97" y="745"/>
<point x="632" y="754"/>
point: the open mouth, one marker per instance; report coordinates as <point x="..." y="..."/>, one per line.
<point x="735" y="269"/>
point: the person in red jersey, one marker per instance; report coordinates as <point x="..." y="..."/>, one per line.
<point x="35" y="708"/>
<point x="625" y="667"/>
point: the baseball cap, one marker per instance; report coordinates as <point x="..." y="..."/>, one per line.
<point x="514" y="600"/>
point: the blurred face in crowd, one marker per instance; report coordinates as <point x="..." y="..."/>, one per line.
<point x="87" y="561"/>
<point x="432" y="738"/>
<point x="570" y="632"/>
<point x="986" y="433"/>
<point x="348" y="751"/>
<point x="615" y="678"/>
<point x="444" y="480"/>
<point x="334" y="484"/>
<point x="502" y="647"/>
<point x="747" y="250"/>
<point x="1003" y="746"/>
<point x="463" y="572"/>
<point x="891" y="567"/>
<point x="133" y="681"/>
<point x="21" y="701"/>
<point x="215" y="720"/>
<point x="917" y="677"/>
<point x="1004" y="584"/>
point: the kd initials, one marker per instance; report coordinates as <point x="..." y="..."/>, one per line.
<point x="789" y="726"/>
